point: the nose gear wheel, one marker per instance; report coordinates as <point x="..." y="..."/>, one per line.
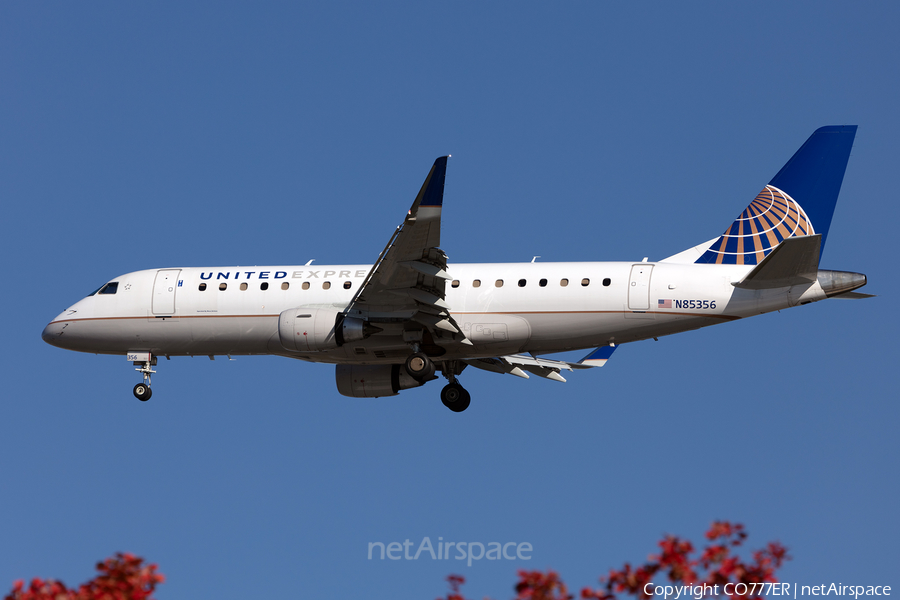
<point x="142" y="392"/>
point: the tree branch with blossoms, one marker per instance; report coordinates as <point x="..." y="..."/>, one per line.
<point x="677" y="560"/>
<point x="123" y="576"/>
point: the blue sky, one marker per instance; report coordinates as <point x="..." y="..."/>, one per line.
<point x="146" y="135"/>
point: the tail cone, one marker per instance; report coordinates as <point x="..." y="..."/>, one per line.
<point x="839" y="282"/>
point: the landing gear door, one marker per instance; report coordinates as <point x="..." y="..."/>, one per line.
<point x="639" y="287"/>
<point x="164" y="291"/>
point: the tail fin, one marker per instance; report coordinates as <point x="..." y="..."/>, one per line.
<point x="799" y="200"/>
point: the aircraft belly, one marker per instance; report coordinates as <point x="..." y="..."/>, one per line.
<point x="494" y="333"/>
<point x="228" y="334"/>
<point x="576" y="329"/>
<point x="561" y="332"/>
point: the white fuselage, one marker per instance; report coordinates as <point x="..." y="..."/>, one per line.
<point x="502" y="308"/>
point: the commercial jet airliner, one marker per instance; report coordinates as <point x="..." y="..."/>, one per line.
<point x="395" y="324"/>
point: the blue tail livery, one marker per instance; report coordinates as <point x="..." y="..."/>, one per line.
<point x="799" y="200"/>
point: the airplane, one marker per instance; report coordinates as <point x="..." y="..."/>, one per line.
<point x="393" y="325"/>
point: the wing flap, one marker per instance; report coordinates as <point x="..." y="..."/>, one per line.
<point x="517" y="364"/>
<point x="426" y="268"/>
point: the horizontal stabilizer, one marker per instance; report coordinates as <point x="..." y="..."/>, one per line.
<point x="854" y="296"/>
<point x="795" y="261"/>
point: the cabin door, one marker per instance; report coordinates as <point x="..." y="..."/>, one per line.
<point x="164" y="291"/>
<point x="639" y="287"/>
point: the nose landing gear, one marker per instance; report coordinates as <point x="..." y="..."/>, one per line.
<point x="142" y="391"/>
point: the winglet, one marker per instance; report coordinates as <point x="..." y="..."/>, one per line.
<point x="598" y="357"/>
<point x="432" y="192"/>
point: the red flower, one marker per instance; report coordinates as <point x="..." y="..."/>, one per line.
<point x="122" y="577"/>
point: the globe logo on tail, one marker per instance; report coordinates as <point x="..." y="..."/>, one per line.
<point x="772" y="217"/>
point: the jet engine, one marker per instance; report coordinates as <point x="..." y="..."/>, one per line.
<point x="316" y="329"/>
<point x="372" y="381"/>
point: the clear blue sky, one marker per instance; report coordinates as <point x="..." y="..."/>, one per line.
<point x="141" y="135"/>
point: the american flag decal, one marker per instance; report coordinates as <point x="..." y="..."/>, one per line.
<point x="665" y="303"/>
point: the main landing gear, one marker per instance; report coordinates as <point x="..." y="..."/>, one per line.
<point x="142" y="390"/>
<point x="421" y="368"/>
<point x="454" y="396"/>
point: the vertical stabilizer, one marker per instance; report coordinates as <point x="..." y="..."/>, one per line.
<point x="799" y="200"/>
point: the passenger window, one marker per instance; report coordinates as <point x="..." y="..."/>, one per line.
<point x="244" y="287"/>
<point x="285" y="285"/>
<point x="109" y="288"/>
<point x="264" y="285"/>
<point x="348" y="285"/>
<point x="542" y="283"/>
<point x="563" y="282"/>
<point x="202" y="287"/>
<point x="305" y="285"/>
<point x="455" y="283"/>
<point x="223" y="287"/>
<point x="585" y="282"/>
<point x="476" y="283"/>
<point x="498" y="283"/>
<point x="326" y="285"/>
<point x="606" y="282"/>
<point x="522" y="283"/>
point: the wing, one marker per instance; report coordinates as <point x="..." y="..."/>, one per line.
<point x="517" y="364"/>
<point x="408" y="280"/>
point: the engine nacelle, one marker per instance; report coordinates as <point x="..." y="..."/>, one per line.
<point x="373" y="381"/>
<point x="316" y="329"/>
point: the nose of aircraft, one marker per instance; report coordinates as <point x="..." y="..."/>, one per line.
<point x="52" y="334"/>
<point x="67" y="329"/>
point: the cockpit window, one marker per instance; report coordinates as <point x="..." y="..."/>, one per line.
<point x="110" y="288"/>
